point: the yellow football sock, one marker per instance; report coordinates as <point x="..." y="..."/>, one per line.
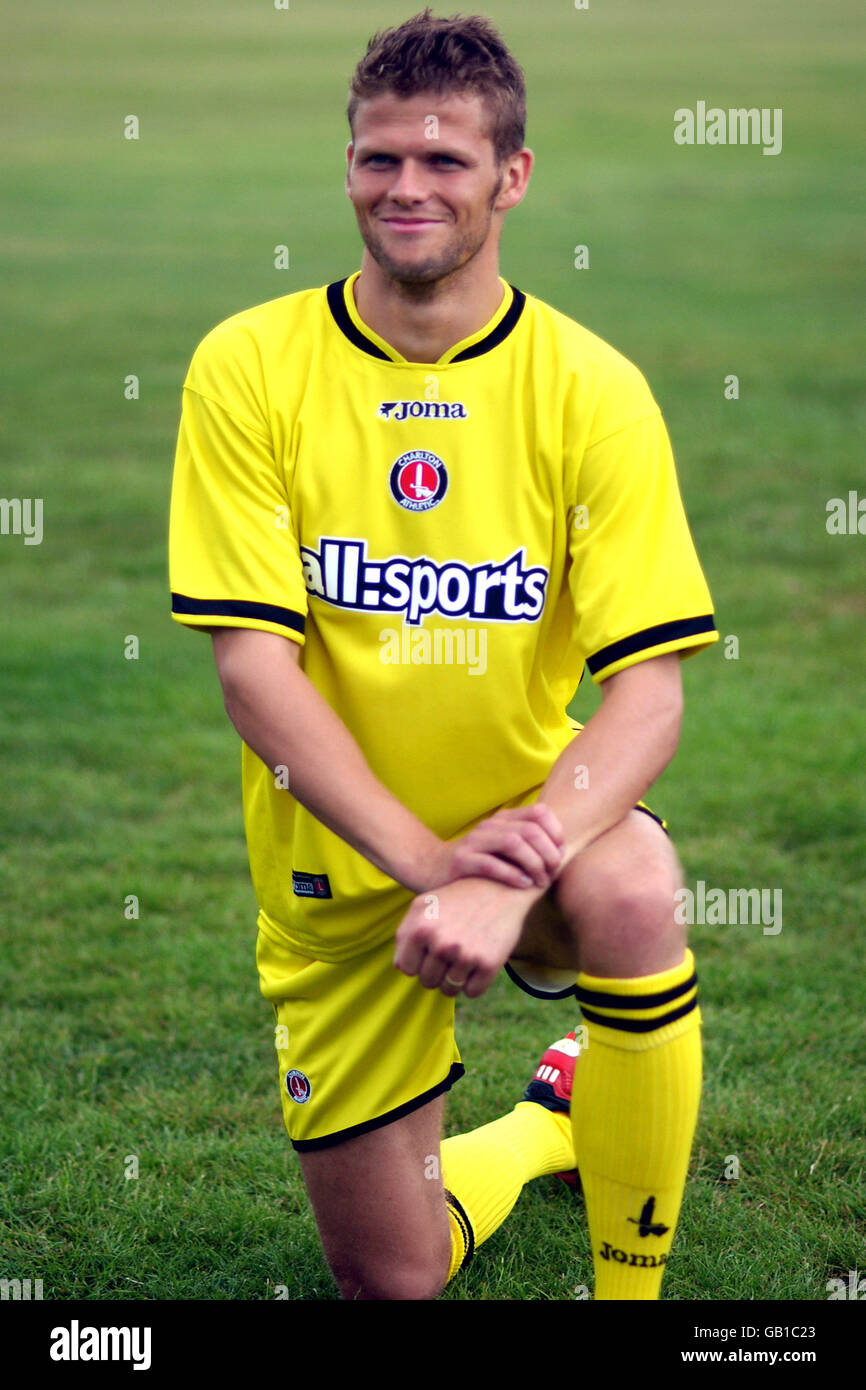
<point x="483" y="1171"/>
<point x="634" y="1108"/>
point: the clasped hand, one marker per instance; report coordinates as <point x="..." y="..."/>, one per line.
<point x="457" y="935"/>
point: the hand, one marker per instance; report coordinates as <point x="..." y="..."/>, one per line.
<point x="520" y="848"/>
<point x="458" y="938"/>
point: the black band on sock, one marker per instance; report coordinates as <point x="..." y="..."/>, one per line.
<point x="635" y="1001"/>
<point x="465" y="1225"/>
<point x="640" y="1025"/>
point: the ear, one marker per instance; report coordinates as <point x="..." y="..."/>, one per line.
<point x="350" y="154"/>
<point x="516" y="180"/>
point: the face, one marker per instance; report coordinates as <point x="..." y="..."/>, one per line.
<point x="425" y="206"/>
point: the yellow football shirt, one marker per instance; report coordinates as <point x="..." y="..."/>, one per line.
<point x="450" y="543"/>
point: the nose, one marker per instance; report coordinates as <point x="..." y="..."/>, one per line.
<point x="409" y="184"/>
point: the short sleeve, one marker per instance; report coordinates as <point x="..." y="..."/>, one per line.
<point x="636" y="582"/>
<point x="234" y="559"/>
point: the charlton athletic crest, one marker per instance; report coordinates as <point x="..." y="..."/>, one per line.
<point x="419" y="480"/>
<point x="298" y="1087"/>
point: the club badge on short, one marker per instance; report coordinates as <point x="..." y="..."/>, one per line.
<point x="298" y="1087"/>
<point x="418" y="480"/>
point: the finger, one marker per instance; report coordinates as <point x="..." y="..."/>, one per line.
<point x="451" y="987"/>
<point x="409" y="953"/>
<point x="548" y="849"/>
<point x="548" y="820"/>
<point x="432" y="971"/>
<point x="500" y="870"/>
<point x="536" y="812"/>
<point x="505" y="844"/>
<point x="519" y="847"/>
<point x="521" y="838"/>
<point x="479" y="981"/>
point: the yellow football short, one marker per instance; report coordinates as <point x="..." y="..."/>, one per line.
<point x="359" y="1043"/>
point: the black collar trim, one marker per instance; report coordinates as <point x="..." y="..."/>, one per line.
<point x="337" y="305"/>
<point x="499" y="333"/>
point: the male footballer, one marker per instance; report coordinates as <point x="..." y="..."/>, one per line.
<point x="373" y="478"/>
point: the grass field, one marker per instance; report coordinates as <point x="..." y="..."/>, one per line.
<point x="147" y="1037"/>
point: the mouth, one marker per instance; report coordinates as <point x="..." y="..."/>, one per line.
<point x="411" y="224"/>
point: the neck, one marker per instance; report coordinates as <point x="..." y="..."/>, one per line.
<point x="422" y="321"/>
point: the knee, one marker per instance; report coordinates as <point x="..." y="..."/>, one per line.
<point x="390" y="1280"/>
<point x="627" y="915"/>
<point x="393" y="1269"/>
<point x="621" y="894"/>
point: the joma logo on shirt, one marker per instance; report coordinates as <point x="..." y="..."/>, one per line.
<point x="422" y="410"/>
<point x="340" y="573"/>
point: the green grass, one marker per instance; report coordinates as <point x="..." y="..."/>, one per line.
<point x="147" y="1037"/>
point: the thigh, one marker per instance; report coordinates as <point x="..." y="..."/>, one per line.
<point x="380" y="1208"/>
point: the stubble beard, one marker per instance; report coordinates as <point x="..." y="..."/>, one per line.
<point x="423" y="275"/>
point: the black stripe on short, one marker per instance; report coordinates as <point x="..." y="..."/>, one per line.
<point x="658" y="820"/>
<point x="517" y="979"/>
<point x="340" y="1135"/>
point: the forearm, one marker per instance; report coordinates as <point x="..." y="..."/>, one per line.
<point x="282" y="717"/>
<point x="626" y="744"/>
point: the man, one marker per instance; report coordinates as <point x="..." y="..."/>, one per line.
<point x="423" y="458"/>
